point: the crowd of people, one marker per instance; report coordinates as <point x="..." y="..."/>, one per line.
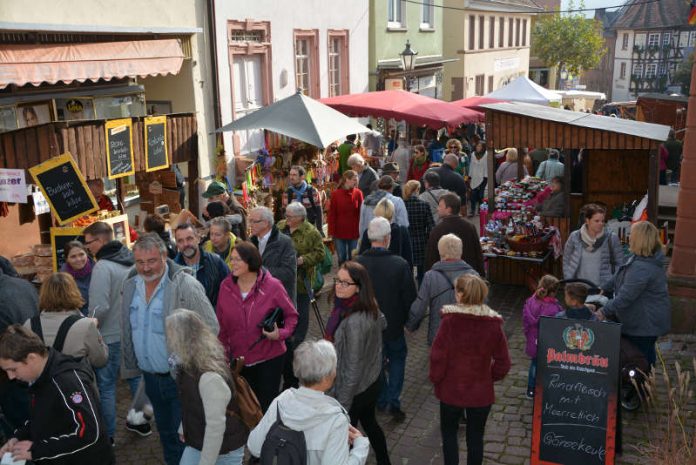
<point x="175" y="313"/>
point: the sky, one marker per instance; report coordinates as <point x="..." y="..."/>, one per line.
<point x="592" y="4"/>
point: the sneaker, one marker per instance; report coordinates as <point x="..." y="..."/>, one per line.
<point x="143" y="430"/>
<point x="397" y="414"/>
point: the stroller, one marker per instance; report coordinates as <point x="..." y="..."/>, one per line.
<point x="633" y="366"/>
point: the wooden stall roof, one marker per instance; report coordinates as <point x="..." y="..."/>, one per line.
<point x="27" y="147"/>
<point x="526" y="125"/>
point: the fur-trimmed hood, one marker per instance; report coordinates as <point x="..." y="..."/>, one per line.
<point x="473" y="310"/>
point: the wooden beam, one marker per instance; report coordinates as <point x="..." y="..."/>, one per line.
<point x="491" y="178"/>
<point x="653" y="186"/>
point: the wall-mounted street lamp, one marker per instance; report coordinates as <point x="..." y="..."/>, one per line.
<point x="408" y="62"/>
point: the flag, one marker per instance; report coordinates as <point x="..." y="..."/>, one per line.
<point x="692" y="13"/>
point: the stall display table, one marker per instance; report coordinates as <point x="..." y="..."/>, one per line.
<point x="519" y="271"/>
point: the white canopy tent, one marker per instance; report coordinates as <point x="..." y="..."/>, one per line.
<point x="525" y="90"/>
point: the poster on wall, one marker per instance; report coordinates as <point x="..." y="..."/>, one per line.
<point x="12" y="186"/>
<point x="119" y="148"/>
<point x="33" y="114"/>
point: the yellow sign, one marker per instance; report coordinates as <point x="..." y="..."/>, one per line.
<point x="119" y="148"/>
<point x="156" y="153"/>
<point x="60" y="237"/>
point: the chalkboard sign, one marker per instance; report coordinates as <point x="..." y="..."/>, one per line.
<point x="119" y="148"/>
<point x="64" y="187"/>
<point x="156" y="143"/>
<point x="60" y="237"/>
<point x="576" y="394"/>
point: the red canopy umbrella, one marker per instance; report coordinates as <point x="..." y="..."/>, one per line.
<point x="475" y="103"/>
<point x="402" y="105"/>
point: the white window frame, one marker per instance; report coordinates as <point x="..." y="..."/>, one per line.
<point x="662" y="69"/>
<point x="653" y="39"/>
<point x="667" y="38"/>
<point x="692" y="38"/>
<point x="428" y="15"/>
<point x="303" y="74"/>
<point x="624" y="41"/>
<point x="622" y="70"/>
<point x="637" y="70"/>
<point x="650" y="70"/>
<point x="398" y="21"/>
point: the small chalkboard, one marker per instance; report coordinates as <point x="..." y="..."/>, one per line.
<point x="64" y="187"/>
<point x="60" y="237"/>
<point x="156" y="143"/>
<point x="119" y="148"/>
<point x="576" y="394"/>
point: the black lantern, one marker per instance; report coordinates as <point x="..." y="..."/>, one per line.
<point x="408" y="57"/>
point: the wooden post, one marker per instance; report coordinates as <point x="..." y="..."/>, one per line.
<point x="491" y="178"/>
<point x="193" y="186"/>
<point x="567" y="168"/>
<point x="653" y="185"/>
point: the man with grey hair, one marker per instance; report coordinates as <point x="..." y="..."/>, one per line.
<point x="366" y="175"/>
<point x="152" y="291"/>
<point x="277" y="252"/>
<point x="450" y="179"/>
<point x="395" y="290"/>
<point x="321" y="418"/>
<point x="551" y="168"/>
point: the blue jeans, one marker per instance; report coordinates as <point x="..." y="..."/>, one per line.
<point x="192" y="456"/>
<point x="394" y="354"/>
<point x="162" y="391"/>
<point x="344" y="247"/>
<point x="531" y="378"/>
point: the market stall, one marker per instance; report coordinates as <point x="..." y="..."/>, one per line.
<point x="619" y="163"/>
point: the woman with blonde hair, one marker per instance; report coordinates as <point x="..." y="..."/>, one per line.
<point x="400" y="243"/>
<point x="62" y="325"/>
<point x="641" y="299"/>
<point x="469" y="327"/>
<point x="507" y="170"/>
<point x="212" y="428"/>
<point x="221" y="240"/>
<point x="344" y="215"/>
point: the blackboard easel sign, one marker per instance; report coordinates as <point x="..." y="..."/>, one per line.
<point x="119" y="148"/>
<point x="156" y="154"/>
<point x="60" y="237"/>
<point x="64" y="187"/>
<point x="576" y="394"/>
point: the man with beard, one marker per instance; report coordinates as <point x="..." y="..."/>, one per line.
<point x="152" y="291"/>
<point x="208" y="268"/>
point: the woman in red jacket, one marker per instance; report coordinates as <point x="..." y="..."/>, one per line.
<point x="419" y="163"/>
<point x="246" y="298"/>
<point x="344" y="215"/>
<point x="469" y="354"/>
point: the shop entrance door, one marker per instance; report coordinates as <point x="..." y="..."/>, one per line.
<point x="247" y="97"/>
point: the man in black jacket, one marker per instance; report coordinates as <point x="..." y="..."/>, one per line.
<point x="450" y="179"/>
<point x="395" y="290"/>
<point x="209" y="268"/>
<point x="65" y="424"/>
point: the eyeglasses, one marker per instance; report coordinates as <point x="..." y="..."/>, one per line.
<point x="341" y="283"/>
<point x="93" y="240"/>
<point x="257" y="221"/>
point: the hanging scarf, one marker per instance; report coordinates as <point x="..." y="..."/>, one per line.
<point x="298" y="192"/>
<point x="79" y="274"/>
<point x="342" y="308"/>
<point x="591" y="243"/>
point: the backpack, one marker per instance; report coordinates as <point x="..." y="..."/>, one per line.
<point x="249" y="408"/>
<point x="283" y="446"/>
<point x="62" y="330"/>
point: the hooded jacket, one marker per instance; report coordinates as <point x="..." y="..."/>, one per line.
<point x="325" y="425"/>
<point x="114" y="261"/>
<point x="367" y="210"/>
<point x="436" y="290"/>
<point x="208" y="247"/>
<point x="469" y="354"/>
<point x="464" y="230"/>
<point x="534" y="309"/>
<point x="608" y="245"/>
<point x="65" y="422"/>
<point x="280" y="259"/>
<point x="641" y="300"/>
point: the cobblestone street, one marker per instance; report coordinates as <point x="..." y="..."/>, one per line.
<point x="416" y="441"/>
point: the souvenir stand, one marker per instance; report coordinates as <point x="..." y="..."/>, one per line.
<point x="60" y="156"/>
<point x="620" y="165"/>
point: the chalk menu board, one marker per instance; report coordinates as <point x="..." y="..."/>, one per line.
<point x="156" y="143"/>
<point x="60" y="237"/>
<point x="576" y="393"/>
<point x="64" y="187"/>
<point x="119" y="148"/>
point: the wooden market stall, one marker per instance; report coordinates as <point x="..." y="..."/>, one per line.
<point x="619" y="163"/>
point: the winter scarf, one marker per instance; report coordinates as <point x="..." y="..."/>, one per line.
<point x="419" y="160"/>
<point x="298" y="192"/>
<point x="589" y="242"/>
<point x="342" y="308"/>
<point x="79" y="274"/>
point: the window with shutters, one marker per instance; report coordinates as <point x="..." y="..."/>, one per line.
<point x="479" y="84"/>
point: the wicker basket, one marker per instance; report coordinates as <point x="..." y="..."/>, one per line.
<point x="538" y="244"/>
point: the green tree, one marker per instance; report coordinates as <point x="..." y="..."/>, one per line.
<point x="571" y="42"/>
<point x="683" y="75"/>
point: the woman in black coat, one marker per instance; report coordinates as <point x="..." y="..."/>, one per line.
<point x="400" y="243"/>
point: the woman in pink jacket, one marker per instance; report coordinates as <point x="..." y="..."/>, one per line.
<point x="247" y="296"/>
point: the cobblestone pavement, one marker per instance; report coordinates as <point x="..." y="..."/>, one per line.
<point x="416" y="441"/>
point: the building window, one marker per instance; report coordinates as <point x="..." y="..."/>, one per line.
<point x="692" y="38"/>
<point x="524" y="32"/>
<point x="396" y="14"/>
<point x="490" y="84"/>
<point x="667" y="38"/>
<point x="307" y="63"/>
<point x="517" y="33"/>
<point x="662" y="69"/>
<point x="624" y="41"/>
<point x="653" y="39"/>
<point x="501" y="32"/>
<point x="472" y="32"/>
<point x="622" y="72"/>
<point x="338" y="63"/>
<point x="511" y="27"/>
<point x="480" y="32"/>
<point x="651" y="70"/>
<point x="638" y="70"/>
<point x="480" y="80"/>
<point x="428" y="15"/>
<point x="491" y="32"/>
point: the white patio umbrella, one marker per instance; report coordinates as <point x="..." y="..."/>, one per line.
<point x="302" y="118"/>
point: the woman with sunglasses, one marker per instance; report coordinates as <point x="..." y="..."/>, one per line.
<point x="355" y="327"/>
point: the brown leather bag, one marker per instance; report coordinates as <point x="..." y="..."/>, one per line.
<point x="248" y="405"/>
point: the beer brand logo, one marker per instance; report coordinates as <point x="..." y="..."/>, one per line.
<point x="578" y="337"/>
<point x="74" y="106"/>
